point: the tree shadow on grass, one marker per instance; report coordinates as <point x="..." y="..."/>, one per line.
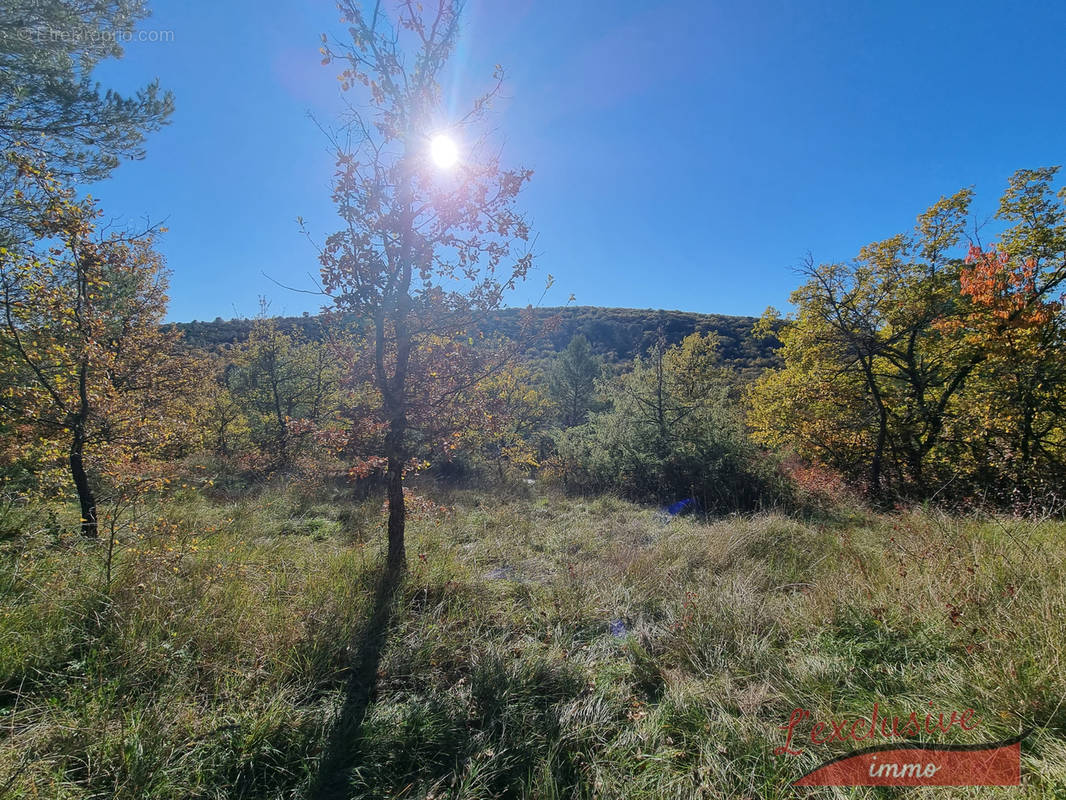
<point x="343" y="746"/>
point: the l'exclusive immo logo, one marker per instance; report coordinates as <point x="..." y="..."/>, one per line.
<point x="895" y="763"/>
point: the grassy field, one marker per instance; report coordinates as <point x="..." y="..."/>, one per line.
<point x="539" y="647"/>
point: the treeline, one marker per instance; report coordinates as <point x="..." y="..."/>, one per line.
<point x="616" y="334"/>
<point x="928" y="368"/>
<point x="665" y="426"/>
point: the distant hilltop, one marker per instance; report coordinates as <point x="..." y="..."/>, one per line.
<point x="617" y="334"/>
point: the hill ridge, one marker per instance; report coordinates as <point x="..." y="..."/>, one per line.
<point x="617" y="334"/>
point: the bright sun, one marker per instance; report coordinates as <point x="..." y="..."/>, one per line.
<point x="444" y="151"/>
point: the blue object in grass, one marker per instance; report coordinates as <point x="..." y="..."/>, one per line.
<point x="618" y="628"/>
<point x="689" y="503"/>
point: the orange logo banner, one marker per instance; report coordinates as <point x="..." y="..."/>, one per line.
<point x="996" y="764"/>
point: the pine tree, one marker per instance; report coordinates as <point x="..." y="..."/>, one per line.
<point x="572" y="381"/>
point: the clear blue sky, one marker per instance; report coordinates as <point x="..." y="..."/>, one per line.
<point x="687" y="155"/>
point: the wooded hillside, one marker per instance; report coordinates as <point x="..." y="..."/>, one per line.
<point x="617" y="334"/>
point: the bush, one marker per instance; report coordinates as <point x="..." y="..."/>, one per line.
<point x="672" y="433"/>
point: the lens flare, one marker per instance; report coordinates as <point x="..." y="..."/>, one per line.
<point x="443" y="151"/>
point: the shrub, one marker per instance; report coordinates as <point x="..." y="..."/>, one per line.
<point x="673" y="432"/>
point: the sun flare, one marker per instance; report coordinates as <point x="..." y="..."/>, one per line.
<point x="443" y="151"/>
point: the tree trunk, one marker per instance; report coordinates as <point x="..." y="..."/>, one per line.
<point x="394" y="391"/>
<point x="397" y="555"/>
<point x="876" y="488"/>
<point x="877" y="462"/>
<point x="916" y="460"/>
<point x="81" y="483"/>
<point x="1028" y="439"/>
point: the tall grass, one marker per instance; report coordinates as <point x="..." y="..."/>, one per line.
<point x="539" y="647"/>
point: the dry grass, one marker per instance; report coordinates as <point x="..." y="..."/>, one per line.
<point x="540" y="647"/>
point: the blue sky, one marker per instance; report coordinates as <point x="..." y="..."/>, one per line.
<point x="686" y="155"/>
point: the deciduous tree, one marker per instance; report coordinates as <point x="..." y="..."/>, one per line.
<point x="286" y="384"/>
<point x="421" y="247"/>
<point x="912" y="365"/>
<point x="1017" y="396"/>
<point x="87" y="369"/>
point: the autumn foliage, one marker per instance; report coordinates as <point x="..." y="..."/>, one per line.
<point x="91" y="379"/>
<point x="418" y="249"/>
<point x="927" y="369"/>
<point x="1006" y="289"/>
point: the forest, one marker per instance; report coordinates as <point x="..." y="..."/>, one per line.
<point x="427" y="543"/>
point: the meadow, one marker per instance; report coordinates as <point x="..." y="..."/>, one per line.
<point x="249" y="645"/>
